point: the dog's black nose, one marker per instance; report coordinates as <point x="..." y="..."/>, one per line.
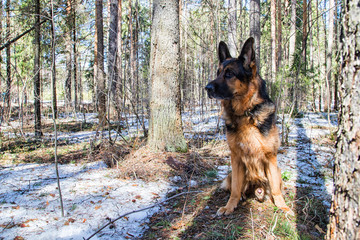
<point x="210" y="88"/>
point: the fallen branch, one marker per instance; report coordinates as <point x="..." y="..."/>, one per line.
<point x="143" y="209"/>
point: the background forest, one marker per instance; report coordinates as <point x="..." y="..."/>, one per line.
<point x="79" y="87"/>
<point x="297" y="49"/>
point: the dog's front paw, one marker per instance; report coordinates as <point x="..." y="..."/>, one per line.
<point x="287" y="210"/>
<point x="224" y="211"/>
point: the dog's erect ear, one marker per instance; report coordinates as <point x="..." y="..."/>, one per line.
<point x="223" y="52"/>
<point x="247" y="53"/>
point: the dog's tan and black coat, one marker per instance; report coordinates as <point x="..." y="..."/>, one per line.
<point x="251" y="132"/>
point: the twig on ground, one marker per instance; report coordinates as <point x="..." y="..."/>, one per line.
<point x="273" y="228"/>
<point x="143" y="209"/>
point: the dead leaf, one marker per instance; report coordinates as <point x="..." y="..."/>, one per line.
<point x="84" y="220"/>
<point x="138" y="197"/>
<point x="66" y="223"/>
<point x="97" y="207"/>
<point x="134" y="200"/>
<point x="18" y="238"/>
<point x="31" y="220"/>
<point x="24" y="225"/>
<point x="71" y="220"/>
<point x="15" y="207"/>
<point x="51" y="194"/>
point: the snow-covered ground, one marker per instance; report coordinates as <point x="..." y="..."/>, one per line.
<point x="29" y="201"/>
<point x="92" y="193"/>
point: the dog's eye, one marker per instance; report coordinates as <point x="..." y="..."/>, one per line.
<point x="229" y="74"/>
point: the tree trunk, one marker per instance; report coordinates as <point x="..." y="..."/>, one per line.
<point x="119" y="85"/>
<point x="8" y="64"/>
<point x="112" y="66"/>
<point x="292" y="40"/>
<point x="329" y="53"/>
<point x="279" y="35"/>
<point x="53" y="66"/>
<point x="344" y="212"/>
<point x="165" y="130"/>
<point x="101" y="95"/>
<point x="273" y="39"/>
<point x="68" y="55"/>
<point x="74" y="49"/>
<point x="37" y="106"/>
<point x="132" y="54"/>
<point x="304" y="34"/>
<point x="1" y="37"/>
<point x="232" y="36"/>
<point x="255" y="28"/>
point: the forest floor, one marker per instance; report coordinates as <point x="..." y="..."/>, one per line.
<point x="95" y="194"/>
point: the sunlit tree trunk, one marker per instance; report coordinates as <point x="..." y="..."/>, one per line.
<point x="101" y="95"/>
<point x="119" y="85"/>
<point x="37" y="106"/>
<point x="344" y="212"/>
<point x="112" y="66"/>
<point x="53" y="66"/>
<point x="279" y="35"/>
<point x="329" y="54"/>
<point x="8" y="64"/>
<point x="255" y="28"/>
<point x="292" y="40"/>
<point x="273" y="38"/>
<point x="232" y="28"/>
<point x="1" y="37"/>
<point x="68" y="57"/>
<point x="165" y="130"/>
<point x="75" y="57"/>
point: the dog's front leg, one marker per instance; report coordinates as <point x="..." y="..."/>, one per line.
<point x="237" y="182"/>
<point x="274" y="176"/>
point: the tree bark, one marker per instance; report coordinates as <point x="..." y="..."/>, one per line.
<point x="1" y="33"/>
<point x="329" y="53"/>
<point x="273" y="39"/>
<point x="279" y="35"/>
<point x="165" y="130"/>
<point x="37" y="106"/>
<point x="68" y="55"/>
<point x="232" y="36"/>
<point x="113" y="44"/>
<point x="74" y="49"/>
<point x="101" y="95"/>
<point x="344" y="212"/>
<point x="255" y="28"/>
<point x="53" y="66"/>
<point x="292" y="40"/>
<point x="304" y="34"/>
<point x="8" y="64"/>
<point x="119" y="85"/>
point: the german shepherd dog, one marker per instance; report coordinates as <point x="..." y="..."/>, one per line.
<point x="251" y="132"/>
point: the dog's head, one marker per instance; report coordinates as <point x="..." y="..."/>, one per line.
<point x="233" y="74"/>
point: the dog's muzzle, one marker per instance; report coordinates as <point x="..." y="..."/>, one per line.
<point x="210" y="88"/>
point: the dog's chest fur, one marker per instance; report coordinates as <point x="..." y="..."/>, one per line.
<point x="251" y="131"/>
